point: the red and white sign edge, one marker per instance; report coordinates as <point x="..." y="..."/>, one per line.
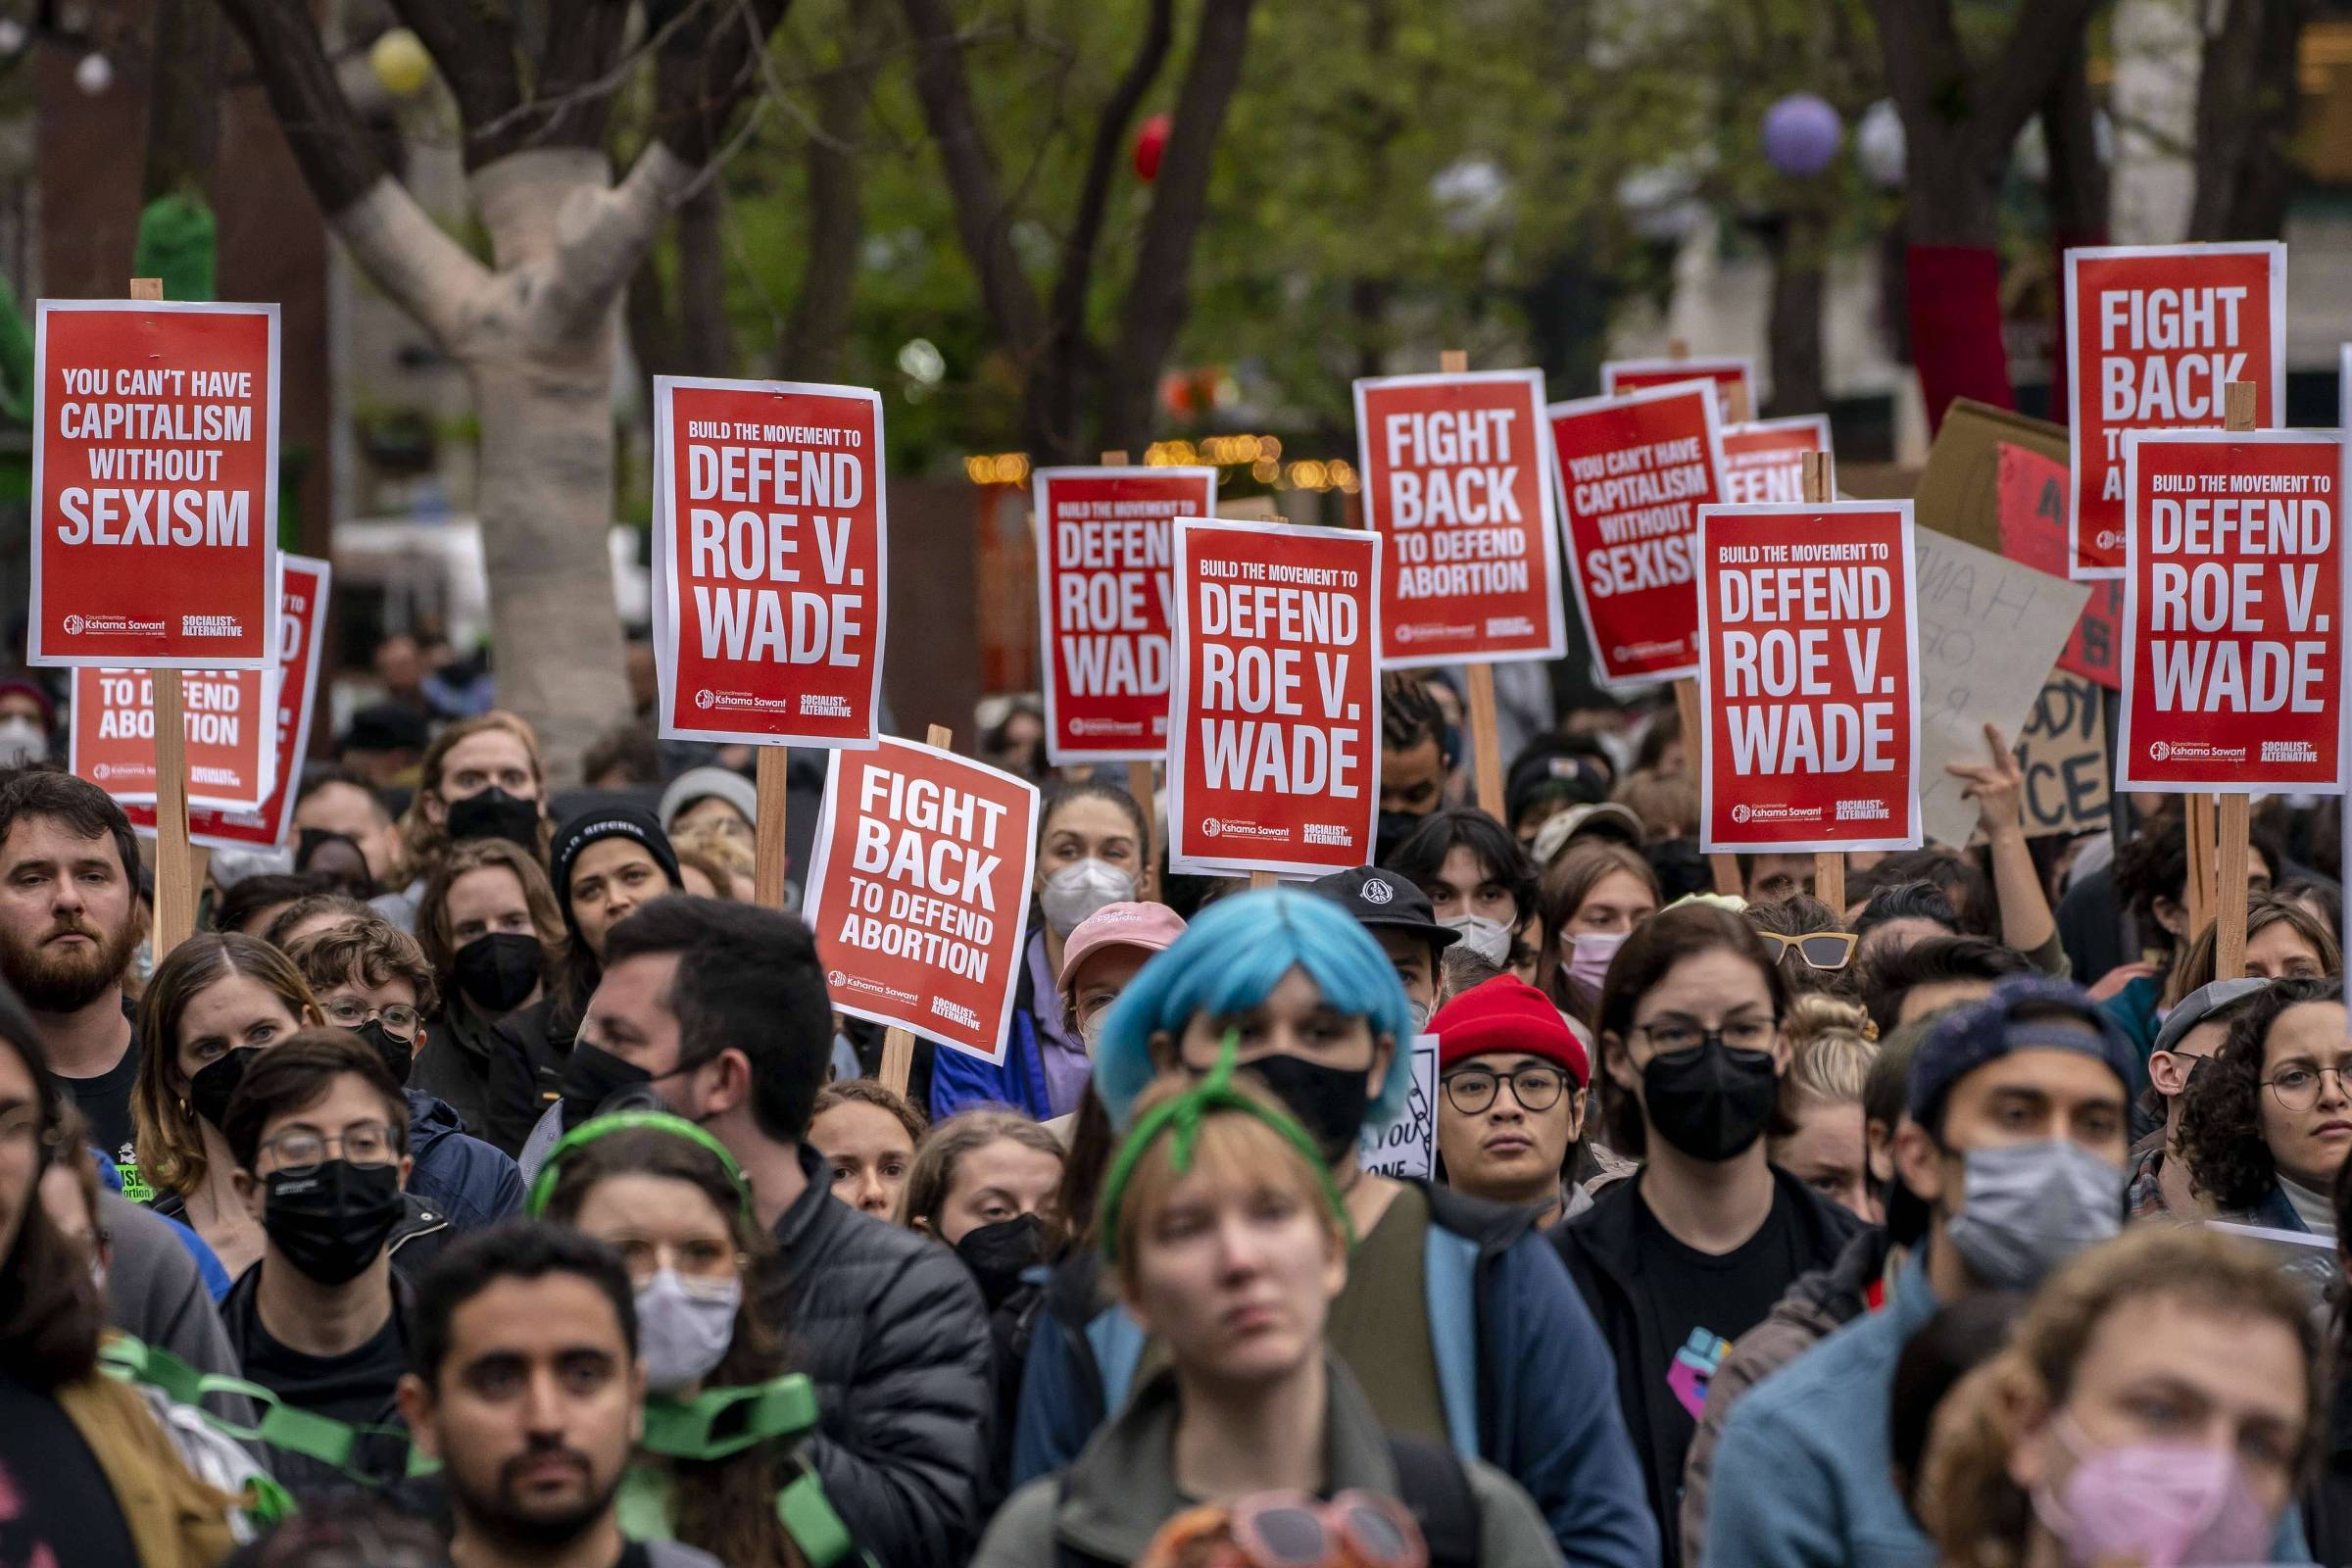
<point x="666" y="591"/>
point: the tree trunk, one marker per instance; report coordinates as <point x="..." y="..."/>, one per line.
<point x="2248" y="102"/>
<point x="708" y="338"/>
<point x="816" y="343"/>
<point x="2078" y="191"/>
<point x="1799" y="277"/>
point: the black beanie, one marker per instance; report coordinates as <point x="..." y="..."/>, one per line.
<point x="607" y="822"/>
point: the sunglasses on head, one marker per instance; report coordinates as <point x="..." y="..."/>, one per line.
<point x="1291" y="1529"/>
<point x="1819" y="949"/>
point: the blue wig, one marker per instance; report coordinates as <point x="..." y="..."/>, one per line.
<point x="1230" y="959"/>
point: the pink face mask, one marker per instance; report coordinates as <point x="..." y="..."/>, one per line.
<point x="2161" y="1505"/>
<point x="1590" y="958"/>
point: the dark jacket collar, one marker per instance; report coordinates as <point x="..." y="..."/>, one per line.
<point x="812" y="1214"/>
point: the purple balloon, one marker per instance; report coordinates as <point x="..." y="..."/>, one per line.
<point x="1802" y="134"/>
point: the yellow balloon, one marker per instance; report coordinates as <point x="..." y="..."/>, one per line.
<point x="400" y="62"/>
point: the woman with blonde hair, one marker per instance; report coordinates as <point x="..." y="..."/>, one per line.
<point x="2154" y="1408"/>
<point x="1227" y="1240"/>
<point x="1817" y="1134"/>
<point x="214" y="1004"/>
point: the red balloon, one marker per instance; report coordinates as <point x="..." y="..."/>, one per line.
<point x="1151" y="140"/>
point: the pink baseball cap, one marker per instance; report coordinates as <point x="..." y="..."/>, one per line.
<point x="1151" y="927"/>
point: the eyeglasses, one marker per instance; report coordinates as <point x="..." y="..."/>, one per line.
<point x="1678" y="1035"/>
<point x="365" y="1144"/>
<point x="1471" y="1089"/>
<point x="1291" y="1529"/>
<point x="2298" y="1087"/>
<point x="399" y="1020"/>
<point x="1819" y="949"/>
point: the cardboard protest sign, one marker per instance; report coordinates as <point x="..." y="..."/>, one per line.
<point x="769" y="524"/>
<point x="1808" y="670"/>
<point x="1990" y="629"/>
<point x="1633" y="471"/>
<point x="2032" y="502"/>
<point x="1104" y="542"/>
<point x="1456" y="479"/>
<point x="301" y="624"/>
<point x="1959" y="491"/>
<point x="1274" y="724"/>
<point x="2158" y="333"/>
<point x="2063" y="754"/>
<point x="1726" y="374"/>
<point x="1764" y="459"/>
<point x="918" y="891"/>
<point x="1407" y="1147"/>
<point x="155" y="485"/>
<point x="2232" y="613"/>
<point x="229" y="720"/>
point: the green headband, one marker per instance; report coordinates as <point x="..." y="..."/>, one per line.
<point x="1185" y="1114"/>
<point x="621" y="1121"/>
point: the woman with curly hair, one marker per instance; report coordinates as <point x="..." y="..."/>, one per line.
<point x="2154" y="1405"/>
<point x="2270" y="1120"/>
<point x="1816" y="1134"/>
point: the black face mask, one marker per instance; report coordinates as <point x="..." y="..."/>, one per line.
<point x="1328" y="1101"/>
<point x="397" y="1054"/>
<point x="597" y="1081"/>
<point x="1392" y="830"/>
<point x="495" y="972"/>
<point x="215" y="1083"/>
<point x="997" y="1254"/>
<point x="329" y="1222"/>
<point x="493" y="814"/>
<point x="1710" y="1102"/>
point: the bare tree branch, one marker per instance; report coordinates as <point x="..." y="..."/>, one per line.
<point x="2013" y="86"/>
<point x="1067" y="317"/>
<point x="705" y="70"/>
<point x="602" y="236"/>
<point x="981" y="218"/>
<point x="817" y="332"/>
<point x="1156" y="299"/>
<point x="584" y="40"/>
<point x="427" y="274"/>
<point x="709" y="341"/>
<point x="324" y="132"/>
<point x="474" y="48"/>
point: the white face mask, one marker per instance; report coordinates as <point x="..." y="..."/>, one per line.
<point x="1079" y="889"/>
<point x="682" y="1334"/>
<point x="23" y="742"/>
<point x="1490" y="940"/>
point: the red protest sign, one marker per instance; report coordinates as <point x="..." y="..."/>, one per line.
<point x="918" y="891"/>
<point x="1808" y="676"/>
<point x="1274" y="760"/>
<point x="768" y="534"/>
<point x="1764" y="459"/>
<point x="1620" y="376"/>
<point x="1104" y="542"/>
<point x="155" y="485"/>
<point x="301" y="624"/>
<point x="2032" y="501"/>
<point x="230" y="718"/>
<point x="2232" y="613"/>
<point x="2158" y="333"/>
<point x="1633" y="471"/>
<point x="1456" y="479"/>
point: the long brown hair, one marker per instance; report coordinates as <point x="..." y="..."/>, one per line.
<point x="169" y="1143"/>
<point x="2194" y="967"/>
<point x="433" y="933"/>
<point x="936" y="1158"/>
<point x="423" y="841"/>
<point x="50" y="1311"/>
<point x="1567" y="882"/>
<point x="1976" y="1514"/>
<point x="726" y="1507"/>
<point x="1656" y="946"/>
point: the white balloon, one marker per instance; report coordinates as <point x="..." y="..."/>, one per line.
<point x="1878" y="142"/>
<point x="94" y="74"/>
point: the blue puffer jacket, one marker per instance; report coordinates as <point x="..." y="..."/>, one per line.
<point x="960" y="1082"/>
<point x="1526" y="1380"/>
<point x="462" y="1177"/>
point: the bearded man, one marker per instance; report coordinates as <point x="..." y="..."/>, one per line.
<point x="68" y="925"/>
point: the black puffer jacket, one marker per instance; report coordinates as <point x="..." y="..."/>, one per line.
<point x="528" y="1049"/>
<point x="891" y="1329"/>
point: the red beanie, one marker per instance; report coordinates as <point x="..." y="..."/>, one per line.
<point x="1507" y="1014"/>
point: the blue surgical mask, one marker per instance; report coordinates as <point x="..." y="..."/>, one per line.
<point x="2029" y="1208"/>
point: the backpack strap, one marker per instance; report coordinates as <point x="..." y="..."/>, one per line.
<point x="1432" y="1483"/>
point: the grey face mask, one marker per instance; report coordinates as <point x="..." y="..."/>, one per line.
<point x="2030" y="1208"/>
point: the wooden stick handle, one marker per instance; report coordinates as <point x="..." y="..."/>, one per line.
<point x="2229" y="901"/>
<point x="1486" y="741"/>
<point x="2203" y="878"/>
<point x="150" y="289"/>
<point x="1264" y="879"/>
<point x="1139" y="785"/>
<point x="175" y="862"/>
<point x="1452" y="361"/>
<point x="2237" y="405"/>
<point x="898" y="1045"/>
<point x="769" y="858"/>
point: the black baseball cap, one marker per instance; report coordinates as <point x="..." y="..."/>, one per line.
<point x="1383" y="901"/>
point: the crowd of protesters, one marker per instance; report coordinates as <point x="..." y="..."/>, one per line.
<point x="490" y="1181"/>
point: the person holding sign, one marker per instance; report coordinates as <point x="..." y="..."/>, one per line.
<point x="1691" y="1253"/>
<point x="1227" y="1237"/>
<point x="1322" y="1021"/>
<point x="1511" y="1086"/>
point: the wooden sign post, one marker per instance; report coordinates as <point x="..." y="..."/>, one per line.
<point x="768" y="854"/>
<point x="1486" y="734"/>
<point x="898" y="1045"/>
<point x="1829" y="866"/>
<point x="2228" y="865"/>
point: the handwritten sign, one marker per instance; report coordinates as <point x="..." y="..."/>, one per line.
<point x="2063" y="754"/>
<point x="1406" y="1148"/>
